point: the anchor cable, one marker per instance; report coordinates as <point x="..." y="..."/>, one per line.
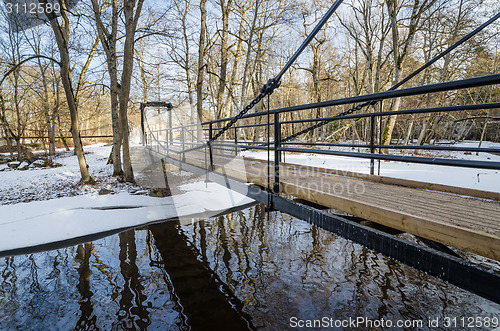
<point x="275" y="82"/>
<point x="406" y="79"/>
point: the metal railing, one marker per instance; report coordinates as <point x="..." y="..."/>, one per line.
<point x="184" y="139"/>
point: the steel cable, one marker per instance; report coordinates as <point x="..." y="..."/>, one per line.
<point x="406" y="79"/>
<point x="275" y="82"/>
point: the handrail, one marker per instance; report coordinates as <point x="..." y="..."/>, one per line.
<point x="411" y="91"/>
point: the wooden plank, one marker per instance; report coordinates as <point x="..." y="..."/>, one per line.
<point x="398" y="181"/>
<point x="464" y="238"/>
<point x="458" y="221"/>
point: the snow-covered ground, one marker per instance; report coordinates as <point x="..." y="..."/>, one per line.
<point x="480" y="179"/>
<point x="49" y="183"/>
<point x="41" y="206"/>
<point x="41" y="222"/>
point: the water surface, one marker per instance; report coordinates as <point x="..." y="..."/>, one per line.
<point x="245" y="270"/>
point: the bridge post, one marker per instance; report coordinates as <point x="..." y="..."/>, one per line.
<point x="372" y="143"/>
<point x="235" y="141"/>
<point x="183" y="138"/>
<point x="277" y="152"/>
<point x="143" y="135"/>
<point x="167" y="144"/>
<point x="170" y="126"/>
<point x="210" y="136"/>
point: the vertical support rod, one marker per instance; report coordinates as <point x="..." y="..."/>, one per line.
<point x="170" y="125"/>
<point x="372" y="144"/>
<point x="182" y="138"/>
<point x="277" y="152"/>
<point x="143" y="130"/>
<point x="210" y="136"/>
<point x="235" y="141"/>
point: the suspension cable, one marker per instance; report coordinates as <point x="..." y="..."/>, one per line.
<point x="275" y="82"/>
<point x="406" y="79"/>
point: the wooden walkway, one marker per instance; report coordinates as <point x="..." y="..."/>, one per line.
<point x="458" y="217"/>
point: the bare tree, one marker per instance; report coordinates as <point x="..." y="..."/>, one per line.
<point x="61" y="32"/>
<point x="132" y="11"/>
<point x="401" y="47"/>
<point x="108" y="38"/>
<point x="201" y="59"/>
<point x="225" y="10"/>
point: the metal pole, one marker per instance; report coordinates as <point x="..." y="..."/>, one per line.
<point x="277" y="152"/>
<point x="143" y="137"/>
<point x="182" y="138"/>
<point x="170" y="125"/>
<point x="235" y="141"/>
<point x="210" y="135"/>
<point x="372" y="144"/>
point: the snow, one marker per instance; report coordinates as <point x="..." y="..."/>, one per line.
<point x="49" y="205"/>
<point x="49" y="183"/>
<point x="479" y="179"/>
<point x="23" y="166"/>
<point x="39" y="163"/>
<point x="41" y="222"/>
<point x="14" y="164"/>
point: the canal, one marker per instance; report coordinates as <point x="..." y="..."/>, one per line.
<point x="245" y="270"/>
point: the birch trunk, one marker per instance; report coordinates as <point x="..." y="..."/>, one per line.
<point x="61" y="32"/>
<point x="201" y="59"/>
<point x="131" y="20"/>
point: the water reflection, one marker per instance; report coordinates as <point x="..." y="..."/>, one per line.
<point x="87" y="319"/>
<point x="206" y="301"/>
<point x="246" y="270"/>
<point x="133" y="315"/>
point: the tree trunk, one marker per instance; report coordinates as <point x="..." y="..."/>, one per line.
<point x="128" y="65"/>
<point x="5" y="128"/>
<point x="201" y="59"/>
<point x="225" y="8"/>
<point x="391" y="121"/>
<point x="108" y="42"/>
<point x="246" y="69"/>
<point x="61" y="32"/>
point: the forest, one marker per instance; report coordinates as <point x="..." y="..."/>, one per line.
<point x="84" y="71"/>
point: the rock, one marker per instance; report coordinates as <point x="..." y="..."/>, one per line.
<point x="39" y="163"/>
<point x="160" y="193"/>
<point x="104" y="191"/>
<point x="23" y="166"/>
<point x="30" y="157"/>
<point x="14" y="164"/>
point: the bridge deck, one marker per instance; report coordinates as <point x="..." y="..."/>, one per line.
<point x="463" y="222"/>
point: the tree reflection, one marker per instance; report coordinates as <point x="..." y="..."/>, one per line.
<point x="133" y="314"/>
<point x="87" y="319"/>
<point x="207" y="301"/>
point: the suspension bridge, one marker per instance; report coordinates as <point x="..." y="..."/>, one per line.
<point x="366" y="208"/>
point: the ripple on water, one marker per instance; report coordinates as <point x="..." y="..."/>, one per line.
<point x="244" y="270"/>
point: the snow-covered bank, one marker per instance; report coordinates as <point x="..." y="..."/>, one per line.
<point x="42" y="222"/>
<point x="49" y="183"/>
<point x="46" y="206"/>
<point x="479" y="179"/>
